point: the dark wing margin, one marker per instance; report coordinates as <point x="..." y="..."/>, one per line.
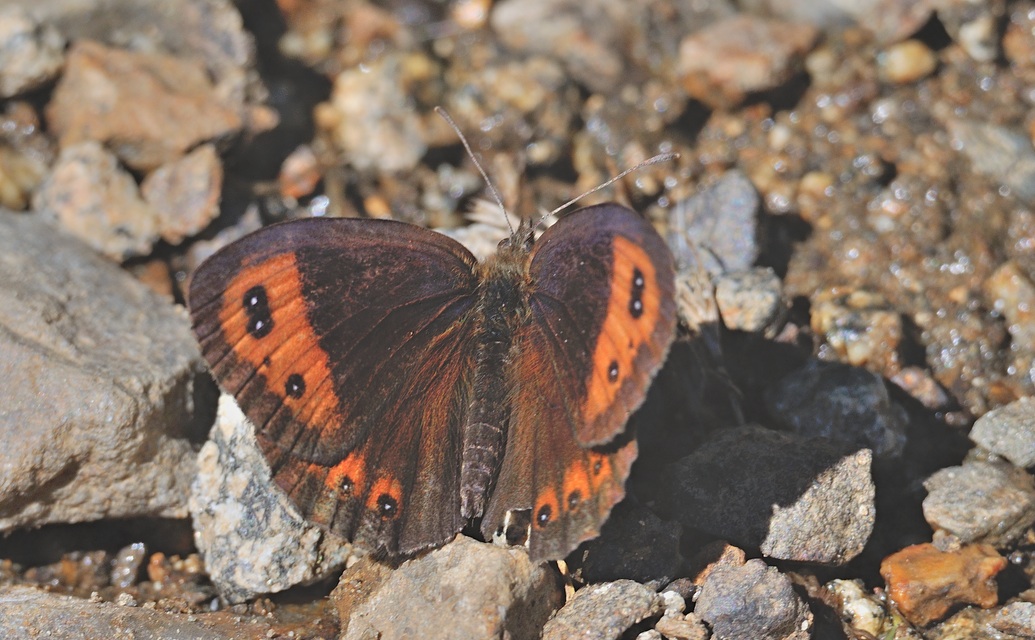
<point x="348" y="345"/>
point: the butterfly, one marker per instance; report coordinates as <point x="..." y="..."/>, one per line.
<point x="401" y="390"/>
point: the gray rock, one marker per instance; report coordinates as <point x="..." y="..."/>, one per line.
<point x="603" y="611"/>
<point x="1005" y="155"/>
<point x="30" y="53"/>
<point x="253" y="539"/>
<point x="1017" y="618"/>
<point x="101" y="421"/>
<point x="793" y="498"/>
<point x="750" y="300"/>
<point x="1009" y="432"/>
<point x="464" y="590"/>
<point x="980" y="501"/>
<point x="31" y="613"/>
<point x="752" y="601"/>
<point x="717" y="228"/>
<point x="849" y="406"/>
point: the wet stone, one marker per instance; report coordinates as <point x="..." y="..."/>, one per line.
<point x="371" y="121"/>
<point x="1012" y="293"/>
<point x="1017" y="618"/>
<point x="1009" y="432"/>
<point x="990" y="502"/>
<point x="906" y="62"/>
<point x="1004" y="155"/>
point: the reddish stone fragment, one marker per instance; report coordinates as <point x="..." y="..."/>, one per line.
<point x="925" y="583"/>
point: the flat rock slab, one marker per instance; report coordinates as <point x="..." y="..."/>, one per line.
<point x="31" y="613"/>
<point x="253" y="539"/>
<point x="990" y="502"/>
<point x="98" y="410"/>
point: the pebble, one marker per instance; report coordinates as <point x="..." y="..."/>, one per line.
<point x="605" y="611"/>
<point x="1009" y="432"/>
<point x="108" y="430"/>
<point x="717" y="227"/>
<point x="1001" y="153"/>
<point x="150" y="108"/>
<point x="906" y="62"/>
<point x="1011" y="292"/>
<point x="253" y="539"/>
<point x="185" y="193"/>
<point x="774" y="612"/>
<point x="751" y="301"/>
<point x="802" y="501"/>
<point x="723" y="63"/>
<point x="849" y="406"/>
<point x="926" y="583"/>
<point x="371" y="120"/>
<point x="990" y="502"/>
<point x="466" y="590"/>
<point x="1017" y="618"/>
<point x="858" y="327"/>
<point x="31" y="53"/>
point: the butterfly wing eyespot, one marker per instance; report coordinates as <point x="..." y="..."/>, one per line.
<point x="347" y="345"/>
<point x="602" y="320"/>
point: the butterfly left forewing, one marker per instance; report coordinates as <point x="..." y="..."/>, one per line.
<point x="346" y="343"/>
<point x="601" y="320"/>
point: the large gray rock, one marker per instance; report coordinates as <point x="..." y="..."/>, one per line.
<point x="98" y="409"/>
<point x="1009" y="432"/>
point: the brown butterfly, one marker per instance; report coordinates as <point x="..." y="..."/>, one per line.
<point x="401" y="389"/>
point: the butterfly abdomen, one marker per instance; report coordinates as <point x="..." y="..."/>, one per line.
<point x="503" y="305"/>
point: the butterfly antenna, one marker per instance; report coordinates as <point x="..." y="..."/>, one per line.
<point x="661" y="157"/>
<point x="492" y="188"/>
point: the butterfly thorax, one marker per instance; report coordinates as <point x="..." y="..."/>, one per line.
<point x="503" y="292"/>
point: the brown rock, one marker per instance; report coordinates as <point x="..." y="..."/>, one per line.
<point x="724" y="62"/>
<point x="149" y="108"/>
<point x="90" y="196"/>
<point x="185" y="193"/>
<point x="925" y="583"/>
